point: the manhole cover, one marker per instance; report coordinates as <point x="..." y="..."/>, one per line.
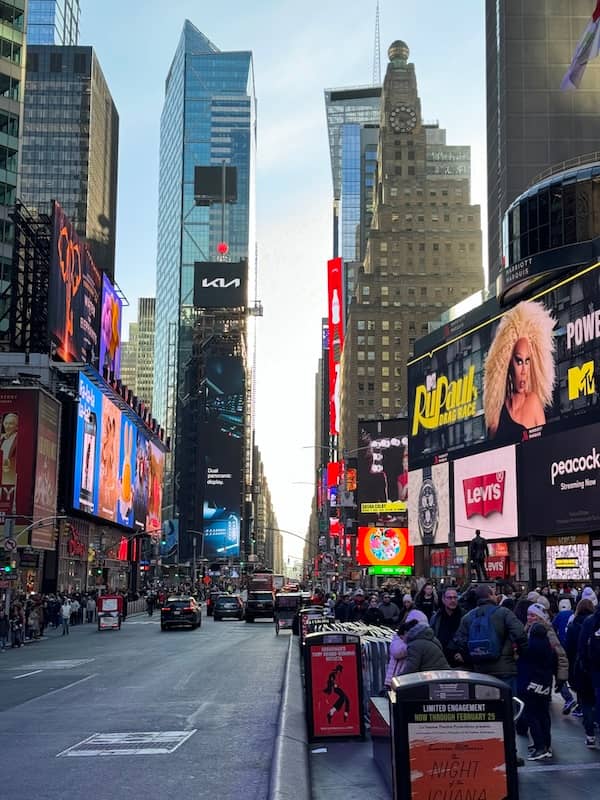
<point x="75" y="662"/>
<point x="152" y="743"/>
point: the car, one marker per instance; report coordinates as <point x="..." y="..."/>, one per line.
<point x="259" y="604"/>
<point x="228" y="605"/>
<point x="180" y="610"/>
<point x="211" y="600"/>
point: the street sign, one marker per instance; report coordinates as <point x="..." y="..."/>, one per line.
<point x="9" y="528"/>
<point x="10" y="544"/>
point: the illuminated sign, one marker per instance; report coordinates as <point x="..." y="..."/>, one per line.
<point x="336" y="339"/>
<point x="379" y="508"/>
<point x="566" y="563"/>
<point x="382" y="472"/>
<point x="379" y="570"/>
<point x="580" y="380"/>
<point x="384" y="546"/>
<point x="442" y="402"/>
<point x="110" y="329"/>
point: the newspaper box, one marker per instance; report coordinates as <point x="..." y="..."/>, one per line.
<point x="452" y="737"/>
<point x="110" y="610"/>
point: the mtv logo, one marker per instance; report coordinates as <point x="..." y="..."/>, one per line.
<point x="581" y="380"/>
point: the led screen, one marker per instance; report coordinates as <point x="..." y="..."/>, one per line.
<point x="110" y="329"/>
<point x="384" y="546"/>
<point x="382" y="472"/>
<point x="568" y="562"/>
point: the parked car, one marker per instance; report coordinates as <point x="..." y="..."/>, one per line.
<point x="259" y="604"/>
<point x="229" y="605"/>
<point x="180" y="611"/>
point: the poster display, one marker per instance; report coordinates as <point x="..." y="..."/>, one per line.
<point x="110" y="329"/>
<point x="382" y="472"/>
<point x="335" y="318"/>
<point x="429" y="505"/>
<point x="46" y="470"/>
<point x="485" y="495"/>
<point x="335" y="699"/>
<point x="18" y="434"/>
<point x="568" y="558"/>
<point x="387" y="546"/>
<point x="221" y="284"/>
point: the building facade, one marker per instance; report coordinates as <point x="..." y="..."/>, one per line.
<point x="423" y="252"/>
<point x="137" y="354"/>
<point x="70" y="144"/>
<point x="53" y="22"/>
<point x="531" y="123"/>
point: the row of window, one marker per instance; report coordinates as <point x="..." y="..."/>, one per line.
<point x="9" y="123"/>
<point x="10" y="50"/>
<point x="385" y="372"/>
<point x="9" y="87"/>
<point x="385" y="402"/>
<point x="370" y="387"/>
<point x="384" y="354"/>
<point x="409" y="247"/>
<point x="12" y="15"/>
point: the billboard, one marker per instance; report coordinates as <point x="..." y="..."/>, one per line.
<point x="118" y="471"/>
<point x="74" y="295"/>
<point x="18" y="431"/>
<point x="563" y="481"/>
<point x="222" y="444"/>
<point x="221" y="284"/>
<point x="170" y="537"/>
<point x="386" y="546"/>
<point x="382" y="472"/>
<point x="110" y="329"/>
<point x="335" y="317"/>
<point x="498" y="377"/>
<point x="485" y="495"/>
<point x="429" y="505"/>
<point x="46" y="469"/>
<point x="568" y="558"/>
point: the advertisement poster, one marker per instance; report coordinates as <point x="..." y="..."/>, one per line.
<point x="382" y="472"/>
<point x="171" y="538"/>
<point x="155" y="487"/>
<point x="429" y="505"/>
<point x="335" y="693"/>
<point x="46" y="470"/>
<point x="220" y="284"/>
<point x="493" y="376"/>
<point x="109" y="460"/>
<point x="18" y="432"/>
<point x="568" y="558"/>
<point x="110" y="329"/>
<point x="335" y="318"/>
<point x="74" y="295"/>
<point x="223" y="450"/>
<point x="485" y="495"/>
<point x="563" y="474"/>
<point x="388" y="546"/>
<point x="456" y="750"/>
<point x="127" y="464"/>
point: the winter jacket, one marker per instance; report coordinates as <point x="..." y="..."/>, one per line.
<point x="510" y="632"/>
<point x="397" y="663"/>
<point x="538" y="664"/>
<point x="424" y="652"/>
<point x="562" y="662"/>
<point x="426" y="604"/>
<point x="390" y="613"/>
<point x="587" y="630"/>
<point x="560" y="622"/>
<point x="579" y="679"/>
<point x="444" y="626"/>
<point x="4" y="626"/>
<point x="373" y="616"/>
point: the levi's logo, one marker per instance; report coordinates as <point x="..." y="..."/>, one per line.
<point x="581" y="380"/>
<point x="484" y="494"/>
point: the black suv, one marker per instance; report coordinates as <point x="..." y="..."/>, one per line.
<point x="180" y="611"/>
<point x="259" y="604"/>
<point x="228" y="605"/>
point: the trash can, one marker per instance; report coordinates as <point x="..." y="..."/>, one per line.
<point x="333" y="686"/>
<point x="306" y="615"/>
<point x="452" y="737"/>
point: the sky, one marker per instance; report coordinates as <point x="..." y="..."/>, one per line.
<point x="299" y="49"/>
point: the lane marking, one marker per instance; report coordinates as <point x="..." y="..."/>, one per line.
<point x="26" y="674"/>
<point x="150" y="743"/>
<point x="60" y="689"/>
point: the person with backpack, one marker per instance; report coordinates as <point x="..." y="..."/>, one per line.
<point x="588" y="656"/>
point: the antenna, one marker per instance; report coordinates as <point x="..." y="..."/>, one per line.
<point x="377" y="51"/>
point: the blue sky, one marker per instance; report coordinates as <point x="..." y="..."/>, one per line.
<point x="300" y="48"/>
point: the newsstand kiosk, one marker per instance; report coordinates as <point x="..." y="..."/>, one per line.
<point x="453" y="737"/>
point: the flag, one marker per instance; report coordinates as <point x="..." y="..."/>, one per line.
<point x="587" y="49"/>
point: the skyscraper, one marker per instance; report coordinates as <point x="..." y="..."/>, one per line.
<point x="531" y="123"/>
<point x="70" y="144"/>
<point x="53" y="22"/>
<point x="137" y="354"/>
<point x="208" y="119"/>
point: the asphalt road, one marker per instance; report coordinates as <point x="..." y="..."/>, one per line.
<point x="205" y="704"/>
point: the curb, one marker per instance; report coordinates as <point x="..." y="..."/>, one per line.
<point x="290" y="776"/>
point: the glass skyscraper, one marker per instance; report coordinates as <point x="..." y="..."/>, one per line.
<point x="53" y="22"/>
<point x="208" y="118"/>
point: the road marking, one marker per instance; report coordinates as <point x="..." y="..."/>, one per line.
<point x="60" y="689"/>
<point x="27" y="674"/>
<point x="560" y="768"/>
<point x="150" y="743"/>
<point x="63" y="664"/>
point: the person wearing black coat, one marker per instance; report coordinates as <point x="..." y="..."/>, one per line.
<point x="446" y="620"/>
<point x="539" y="665"/>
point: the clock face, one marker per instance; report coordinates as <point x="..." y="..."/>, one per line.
<point x="403" y="118"/>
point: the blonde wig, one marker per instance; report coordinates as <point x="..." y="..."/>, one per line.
<point x="527" y="320"/>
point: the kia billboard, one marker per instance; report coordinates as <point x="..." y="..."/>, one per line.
<point x="389" y="546"/>
<point x="562" y="482"/>
<point x="485" y="495"/>
<point x="429" y="505"/>
<point x="335" y="319"/>
<point x="110" y="329"/>
<point x="498" y="377"/>
<point x="221" y="284"/>
<point x="222" y="447"/>
<point x="382" y="472"/>
<point x="74" y="294"/>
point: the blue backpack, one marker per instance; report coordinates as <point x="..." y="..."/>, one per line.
<point x="483" y="643"/>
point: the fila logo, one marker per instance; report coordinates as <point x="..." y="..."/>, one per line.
<point x="220" y="283"/>
<point x="581" y="380"/>
<point x="484" y="494"/>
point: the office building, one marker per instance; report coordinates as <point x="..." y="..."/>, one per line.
<point x="208" y="119"/>
<point x="70" y="144"/>
<point x="53" y="22"/>
<point x="129" y="356"/>
<point x="423" y="252"/>
<point x="137" y="354"/>
<point x="531" y="123"/>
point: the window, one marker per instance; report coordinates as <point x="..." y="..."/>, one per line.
<point x="423" y="291"/>
<point x="360" y="341"/>
<point x="385" y="386"/>
<point x="80" y="64"/>
<point x="385" y="340"/>
<point x="370" y="355"/>
<point x="360" y="325"/>
<point x="436" y="247"/>
<point x="385" y="325"/>
<point x="370" y="387"/>
<point x="360" y="371"/>
<point x="397" y="325"/>
<point x="361" y="386"/>
<point x="385" y="291"/>
<point x="360" y="355"/>
<point x="385" y="402"/>
<point x="55" y="62"/>
<point x="371" y="325"/>
<point x="385" y="372"/>
<point x="366" y="291"/>
<point x="371" y="372"/>
<point x="385" y="355"/>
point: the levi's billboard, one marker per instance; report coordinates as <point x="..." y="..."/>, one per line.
<point x="494" y="376"/>
<point x="563" y="477"/>
<point x="220" y="284"/>
<point x="485" y="495"/>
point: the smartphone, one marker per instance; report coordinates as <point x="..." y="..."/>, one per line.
<point x="86" y="494"/>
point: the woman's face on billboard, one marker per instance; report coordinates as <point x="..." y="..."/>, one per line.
<point x="520" y="365"/>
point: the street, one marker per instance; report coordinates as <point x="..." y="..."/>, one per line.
<point x="204" y="705"/>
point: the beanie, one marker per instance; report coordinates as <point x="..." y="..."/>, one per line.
<point x="589" y="594"/>
<point x="538" y="611"/>
<point x="533" y="597"/>
<point x="544" y="602"/>
<point x="407" y="597"/>
<point x="564" y="605"/>
<point x="417" y="616"/>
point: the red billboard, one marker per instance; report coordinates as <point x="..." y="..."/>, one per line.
<point x="387" y="546"/>
<point x="18" y="429"/>
<point x="335" y="696"/>
<point x="336" y="339"/>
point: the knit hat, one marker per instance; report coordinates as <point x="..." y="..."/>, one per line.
<point x="564" y="605"/>
<point x="417" y="616"/>
<point x="538" y="611"/>
<point x="533" y="597"/>
<point x="544" y="602"/>
<point x="589" y="594"/>
<point x="407" y="597"/>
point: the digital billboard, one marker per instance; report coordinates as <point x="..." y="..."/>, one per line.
<point x="18" y="431"/>
<point x="485" y="495"/>
<point x="568" y="558"/>
<point x="110" y="329"/>
<point x="74" y="295"/>
<point x="46" y="470"/>
<point x="563" y="482"/>
<point x="429" y="505"/>
<point x="335" y="316"/>
<point x="222" y="446"/>
<point x="170" y="537"/>
<point x="118" y="470"/>
<point x="382" y="472"/>
<point x="387" y="546"/>
<point x="499" y="377"/>
<point x="221" y="284"/>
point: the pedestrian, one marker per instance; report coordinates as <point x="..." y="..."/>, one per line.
<point x="373" y="614"/>
<point x="4" y="630"/>
<point x="537" y="614"/>
<point x="588" y="655"/>
<point x="561" y="620"/>
<point x="75" y="606"/>
<point x="150" y="603"/>
<point x="90" y="608"/>
<point x="407" y="605"/>
<point x="423" y="650"/>
<point x="426" y="600"/>
<point x="358" y="607"/>
<point x="579" y="679"/>
<point x="65" y="615"/>
<point x="342" y="608"/>
<point x="398" y="650"/>
<point x="389" y="611"/>
<point x="446" y="620"/>
<point x="540" y="664"/>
